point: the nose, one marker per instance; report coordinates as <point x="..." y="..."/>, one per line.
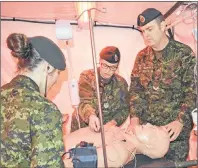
<point x="148" y="124"/>
<point x="107" y="70"/>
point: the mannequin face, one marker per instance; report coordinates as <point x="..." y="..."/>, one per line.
<point x="146" y="133"/>
<point x="107" y="69"/>
<point x="155" y="140"/>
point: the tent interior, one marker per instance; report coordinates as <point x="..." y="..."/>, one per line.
<point x="114" y="24"/>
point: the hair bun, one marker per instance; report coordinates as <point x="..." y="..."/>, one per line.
<point x="19" y="45"/>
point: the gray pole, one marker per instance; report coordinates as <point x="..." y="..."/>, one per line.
<point x="97" y="87"/>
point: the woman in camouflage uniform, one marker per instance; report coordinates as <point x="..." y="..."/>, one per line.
<point x="31" y="134"/>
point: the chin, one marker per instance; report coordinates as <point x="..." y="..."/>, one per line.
<point x="106" y="77"/>
<point x="151" y="45"/>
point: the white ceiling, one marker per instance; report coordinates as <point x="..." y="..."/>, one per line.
<point x="119" y="13"/>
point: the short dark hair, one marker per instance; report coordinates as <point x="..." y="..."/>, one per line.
<point x="160" y="19"/>
<point x="28" y="57"/>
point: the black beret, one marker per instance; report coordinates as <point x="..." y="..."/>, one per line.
<point x="49" y="51"/>
<point x="111" y="54"/>
<point x="147" y="16"/>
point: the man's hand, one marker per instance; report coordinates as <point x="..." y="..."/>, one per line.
<point x="65" y="118"/>
<point x="174" y="128"/>
<point x="94" y="123"/>
<point x="131" y="127"/>
<point x="111" y="123"/>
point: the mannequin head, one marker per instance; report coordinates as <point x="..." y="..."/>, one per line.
<point x="154" y="141"/>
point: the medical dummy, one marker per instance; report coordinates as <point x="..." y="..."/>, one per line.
<point x="121" y="146"/>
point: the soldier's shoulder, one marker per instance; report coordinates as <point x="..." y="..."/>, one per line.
<point x="37" y="101"/>
<point x="144" y="51"/>
<point x="6" y="87"/>
<point x="180" y="45"/>
<point x="27" y="100"/>
<point x="9" y="90"/>
<point x="87" y="75"/>
<point x="48" y="103"/>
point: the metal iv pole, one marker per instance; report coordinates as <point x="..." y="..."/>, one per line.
<point x="97" y="82"/>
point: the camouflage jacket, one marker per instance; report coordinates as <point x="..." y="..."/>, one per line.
<point x="31" y="134"/>
<point x="114" y="99"/>
<point x="162" y="88"/>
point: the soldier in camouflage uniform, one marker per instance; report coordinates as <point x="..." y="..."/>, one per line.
<point x="162" y="90"/>
<point x="113" y="92"/>
<point x="31" y="134"/>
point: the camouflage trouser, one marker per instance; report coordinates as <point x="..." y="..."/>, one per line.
<point x="178" y="151"/>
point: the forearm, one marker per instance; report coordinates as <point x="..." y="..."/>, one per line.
<point x="121" y="116"/>
<point x="188" y="99"/>
<point x="189" y="103"/>
<point x="122" y="112"/>
<point x="138" y="102"/>
<point x="134" y="121"/>
<point x="184" y="117"/>
<point x="88" y="99"/>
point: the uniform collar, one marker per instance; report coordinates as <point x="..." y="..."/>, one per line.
<point x="26" y="82"/>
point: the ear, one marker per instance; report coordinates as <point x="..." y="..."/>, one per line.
<point x="49" y="68"/>
<point x="163" y="26"/>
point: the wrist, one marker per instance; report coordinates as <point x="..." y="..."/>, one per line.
<point x="180" y="121"/>
<point x="134" y="120"/>
<point x="113" y="122"/>
<point x="180" y="116"/>
<point x="92" y="115"/>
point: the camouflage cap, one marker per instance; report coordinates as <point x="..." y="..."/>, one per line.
<point x="49" y="51"/>
<point x="110" y="54"/>
<point x="147" y="16"/>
